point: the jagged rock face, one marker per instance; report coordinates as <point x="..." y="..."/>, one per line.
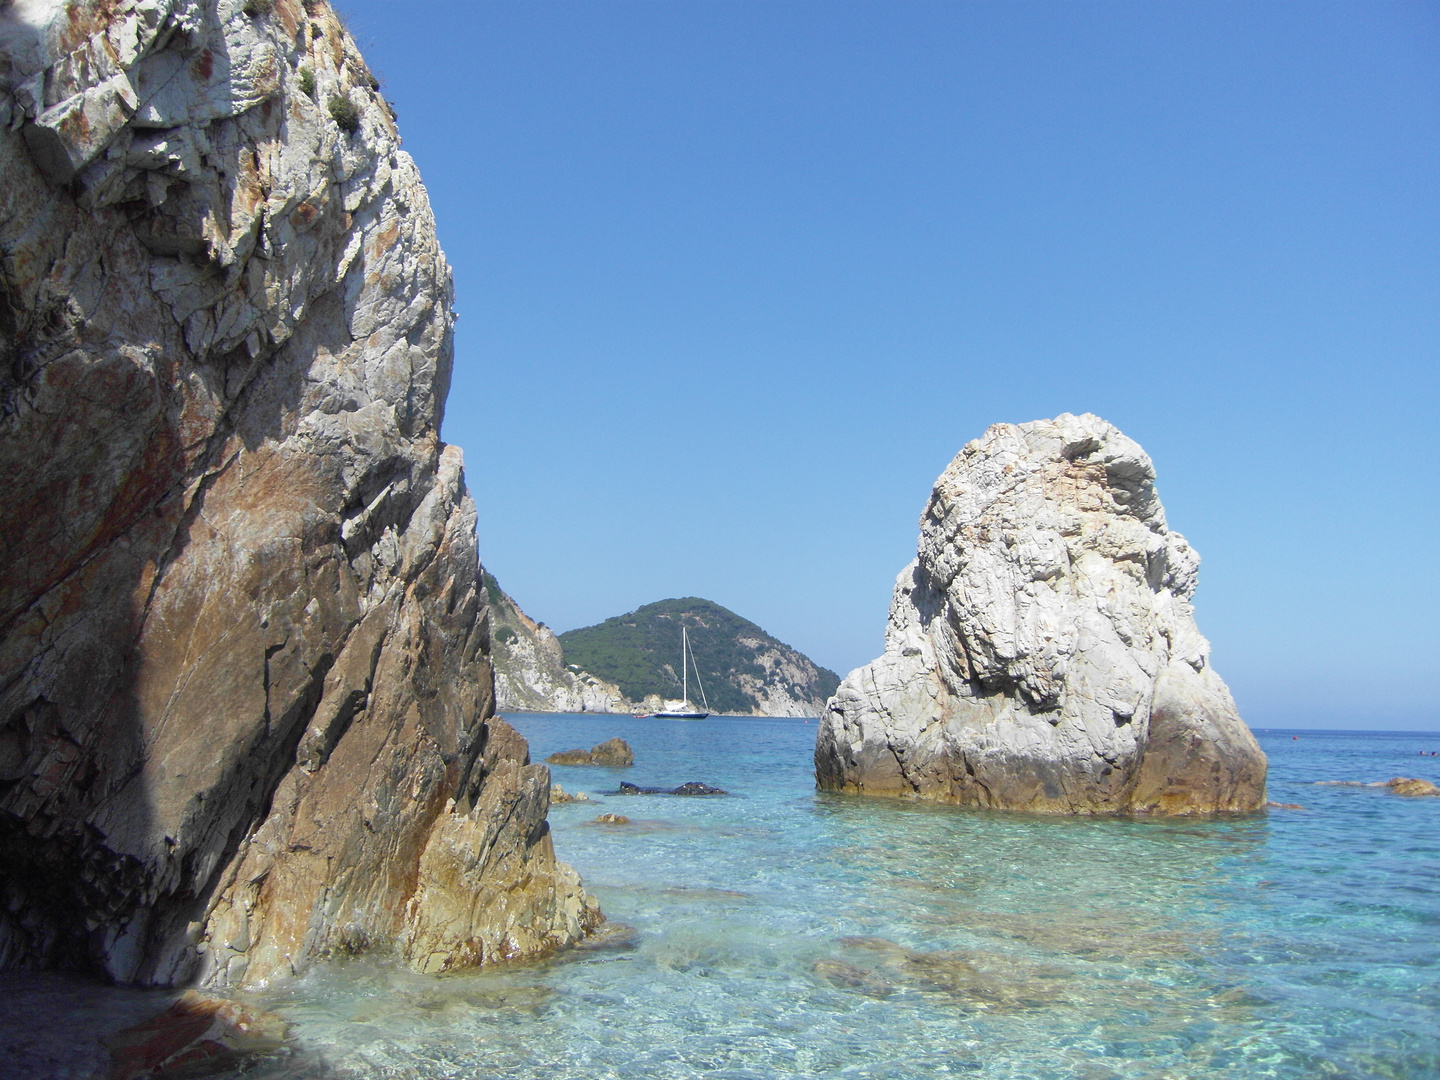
<point x="1041" y="652"/>
<point x="244" y="685"/>
<point x="785" y="676"/>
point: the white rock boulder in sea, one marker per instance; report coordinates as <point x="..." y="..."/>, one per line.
<point x="245" y="696"/>
<point x="1041" y="652"/>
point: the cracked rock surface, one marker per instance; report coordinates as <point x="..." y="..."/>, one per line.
<point x="1041" y="652"/>
<point x="245" y="695"/>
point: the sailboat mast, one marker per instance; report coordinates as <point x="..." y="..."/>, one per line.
<point x="684" y="668"/>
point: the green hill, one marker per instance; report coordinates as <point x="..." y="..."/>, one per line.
<point x="742" y="668"/>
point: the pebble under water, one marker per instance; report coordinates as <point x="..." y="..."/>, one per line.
<point x="778" y="932"/>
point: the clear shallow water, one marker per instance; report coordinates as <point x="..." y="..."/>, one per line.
<point x="780" y="932"/>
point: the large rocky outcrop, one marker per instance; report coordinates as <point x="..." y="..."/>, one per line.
<point x="1041" y="652"/>
<point x="244" y="685"/>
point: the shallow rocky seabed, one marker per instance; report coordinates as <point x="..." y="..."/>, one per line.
<point x="780" y="932"/>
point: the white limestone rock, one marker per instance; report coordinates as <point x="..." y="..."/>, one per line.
<point x="1042" y="652"/>
<point x="530" y="670"/>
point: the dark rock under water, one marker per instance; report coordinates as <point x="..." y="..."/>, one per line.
<point x="693" y="787"/>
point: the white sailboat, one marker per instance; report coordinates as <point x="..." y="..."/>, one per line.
<point x="686" y="711"/>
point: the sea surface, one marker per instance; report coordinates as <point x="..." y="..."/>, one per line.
<point x="778" y="932"/>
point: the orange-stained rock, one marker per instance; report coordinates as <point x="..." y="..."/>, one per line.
<point x="245" y="695"/>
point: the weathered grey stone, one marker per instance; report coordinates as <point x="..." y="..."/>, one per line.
<point x="67" y="137"/>
<point x="245" y="699"/>
<point x="1041" y="652"/>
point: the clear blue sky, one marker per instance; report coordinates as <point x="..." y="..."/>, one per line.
<point x="736" y="280"/>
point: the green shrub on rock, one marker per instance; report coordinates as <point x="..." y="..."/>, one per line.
<point x="345" y="114"/>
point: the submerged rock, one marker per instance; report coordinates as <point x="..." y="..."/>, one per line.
<point x="979" y="980"/>
<point x="611" y="937"/>
<point x="196" y="1036"/>
<point x="1401" y="785"/>
<point x="1041" y="652"/>
<point x="612" y="753"/>
<point x="246" y="707"/>
<point x="1407" y="785"/>
<point x="693" y="787"/>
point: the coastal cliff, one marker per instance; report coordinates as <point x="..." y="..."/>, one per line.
<point x="530" y="670"/>
<point x="245" y="696"/>
<point x="1041" y="652"/>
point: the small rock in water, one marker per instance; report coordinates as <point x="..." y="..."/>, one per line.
<point x="569" y="757"/>
<point x="631" y="789"/>
<point x="559" y="795"/>
<point x="610" y="935"/>
<point x="1406" y="785"/>
<point x="612" y="753"/>
<point x="194" y="1037"/>
<point x="694" y="787"/>
<point x="615" y="753"/>
<point x="1401" y="785"/>
<point x="612" y="819"/>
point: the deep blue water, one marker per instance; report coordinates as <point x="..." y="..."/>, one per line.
<point x="780" y="932"/>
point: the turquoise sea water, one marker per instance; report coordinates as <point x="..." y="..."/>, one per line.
<point x="779" y="932"/>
